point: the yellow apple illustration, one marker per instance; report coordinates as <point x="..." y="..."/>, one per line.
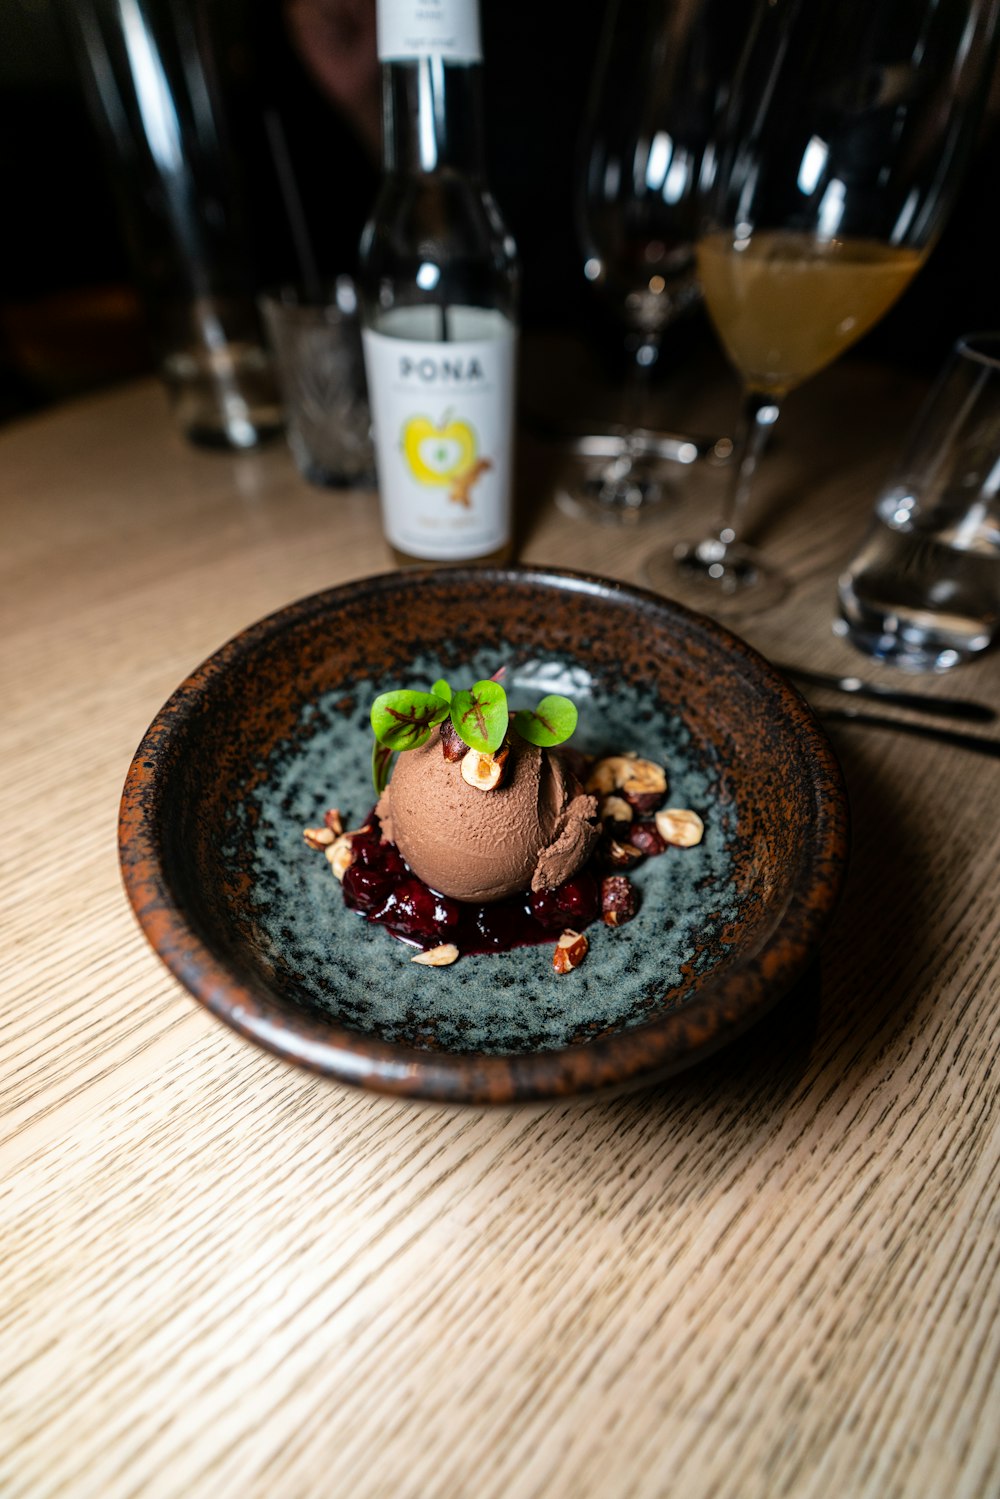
<point x="437" y="455"/>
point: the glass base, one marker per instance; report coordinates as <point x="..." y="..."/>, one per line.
<point x="916" y="603"/>
<point x="725" y="579"/>
<point x="622" y="493"/>
<point x="910" y="647"/>
<point x="326" y="478"/>
<point x="224" y="397"/>
<point x="240" y="432"/>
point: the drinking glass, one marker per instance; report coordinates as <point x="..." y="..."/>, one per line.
<point x="923" y="591"/>
<point x="316" y="338"/>
<point x="831" y="173"/>
<point x="649" y="116"/>
<point x="151" y="72"/>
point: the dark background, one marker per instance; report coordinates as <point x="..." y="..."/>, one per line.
<point x="69" y="320"/>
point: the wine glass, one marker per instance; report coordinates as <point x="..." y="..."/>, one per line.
<point x="834" y="166"/>
<point x="651" y="107"/>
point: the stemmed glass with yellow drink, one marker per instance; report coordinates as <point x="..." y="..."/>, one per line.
<point x="835" y="163"/>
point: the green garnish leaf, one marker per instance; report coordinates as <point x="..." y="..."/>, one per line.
<point x="480" y="717"/>
<point x="403" y="720"/>
<point x="381" y="760"/>
<point x="552" y="722"/>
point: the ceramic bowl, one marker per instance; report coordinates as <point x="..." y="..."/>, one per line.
<point x="273" y="729"/>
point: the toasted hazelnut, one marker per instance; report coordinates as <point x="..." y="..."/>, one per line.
<point x="341" y="855"/>
<point x="570" y="951"/>
<point x="484" y="771"/>
<point x="644" y="837"/>
<point x="615" y="809"/>
<point x="621" y="855"/>
<point x="453" y="745"/>
<point x="318" y="837"/>
<point x="618" y="900"/>
<point x="680" y="827"/>
<point x="333" y="821"/>
<point x="437" y="957"/>
<point x="641" y="783"/>
<point x="644" y="786"/>
<point x="606" y="775"/>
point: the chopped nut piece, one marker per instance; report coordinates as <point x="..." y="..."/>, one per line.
<point x="484" y="771"/>
<point x="680" y="827"/>
<point x="453" y="746"/>
<point x="642" y="783"/>
<point x="644" y="775"/>
<point x="570" y="951"/>
<point x="645" y="785"/>
<point x="621" y="855"/>
<point x="606" y="775"/>
<point x="341" y="854"/>
<point x="618" y="900"/>
<point x="644" y="837"/>
<point x="333" y="822"/>
<point x="437" y="957"/>
<point x="615" y="809"/>
<point x="318" y="837"/>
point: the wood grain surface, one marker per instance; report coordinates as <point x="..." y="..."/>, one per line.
<point x="778" y="1275"/>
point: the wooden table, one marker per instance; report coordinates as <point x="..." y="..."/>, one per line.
<point x="777" y="1275"/>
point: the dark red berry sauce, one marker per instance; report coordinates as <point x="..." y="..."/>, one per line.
<point x="382" y="887"/>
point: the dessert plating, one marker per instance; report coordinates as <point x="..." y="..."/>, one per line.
<point x="486" y="838"/>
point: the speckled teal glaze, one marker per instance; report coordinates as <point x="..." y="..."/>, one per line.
<point x="272" y="729"/>
<point x="497" y="1002"/>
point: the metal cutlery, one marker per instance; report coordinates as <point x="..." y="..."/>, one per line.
<point x="943" y="707"/>
<point x="954" y="737"/>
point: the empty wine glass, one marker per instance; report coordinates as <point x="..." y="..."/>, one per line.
<point x="831" y="174"/>
<point x="651" y="107"/>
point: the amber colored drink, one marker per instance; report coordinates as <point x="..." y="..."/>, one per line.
<point x="786" y="304"/>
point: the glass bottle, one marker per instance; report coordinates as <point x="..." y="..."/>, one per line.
<point x="151" y="73"/>
<point x="439" y="282"/>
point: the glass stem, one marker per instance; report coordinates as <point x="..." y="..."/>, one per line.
<point x="635" y="394"/>
<point x="617" y="487"/>
<point x="758" y="414"/>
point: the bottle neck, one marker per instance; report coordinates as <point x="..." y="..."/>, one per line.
<point x="432" y="117"/>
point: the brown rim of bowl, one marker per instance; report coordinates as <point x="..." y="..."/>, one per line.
<point x="722" y="1008"/>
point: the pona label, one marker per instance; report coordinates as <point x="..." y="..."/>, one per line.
<point x="455" y="370"/>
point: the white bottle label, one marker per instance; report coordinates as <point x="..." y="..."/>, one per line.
<point x="443" y="416"/>
<point x="428" y="28"/>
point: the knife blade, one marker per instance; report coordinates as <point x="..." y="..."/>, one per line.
<point x="935" y="731"/>
<point x="941" y="707"/>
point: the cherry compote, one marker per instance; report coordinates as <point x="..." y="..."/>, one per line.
<point x="381" y="886"/>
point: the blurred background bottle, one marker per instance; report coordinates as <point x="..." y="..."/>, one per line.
<point x="439" y="281"/>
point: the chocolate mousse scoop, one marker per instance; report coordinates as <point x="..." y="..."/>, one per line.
<point x="533" y="831"/>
